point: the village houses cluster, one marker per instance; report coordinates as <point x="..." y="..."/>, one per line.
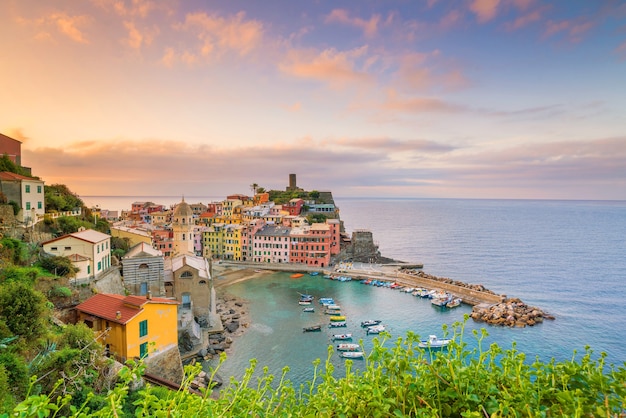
<point x="166" y="274"/>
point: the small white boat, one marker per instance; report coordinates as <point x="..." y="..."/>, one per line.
<point x="434" y="342"/>
<point x="342" y="337"/>
<point x="351" y="354"/>
<point x="304" y="302"/>
<point x="310" y="309"/>
<point x="370" y="322"/>
<point x="327" y="301"/>
<point x="348" y="347"/>
<point x="376" y="329"/>
<point x="338" y="324"/>
<point x="454" y="303"/>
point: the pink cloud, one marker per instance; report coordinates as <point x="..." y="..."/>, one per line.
<point x="216" y="37"/>
<point x="621" y="50"/>
<point x="67" y="25"/>
<point x="369" y="27"/>
<point x="485" y="10"/>
<point x="331" y="66"/>
<point x="523" y="21"/>
<point x="451" y="19"/>
<point x="138" y="38"/>
<point x="574" y="30"/>
<point x="419" y="71"/>
<point x="418" y="104"/>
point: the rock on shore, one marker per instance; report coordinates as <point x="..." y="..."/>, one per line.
<point x="512" y="313"/>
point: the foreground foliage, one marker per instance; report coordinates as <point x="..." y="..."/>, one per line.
<point x="398" y="380"/>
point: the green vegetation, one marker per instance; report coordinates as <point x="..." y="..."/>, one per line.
<point x="399" y="380"/>
<point x="7" y="165"/>
<point x="59" y="198"/>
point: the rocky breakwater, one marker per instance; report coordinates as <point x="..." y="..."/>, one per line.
<point x="234" y="320"/>
<point x="511" y="312"/>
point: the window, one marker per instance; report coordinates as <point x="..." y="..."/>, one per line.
<point x="38" y="189"/>
<point x="68" y="248"/>
<point x="27" y="188"/>
<point x="143" y="328"/>
<point x="27" y="205"/>
<point x="99" y="265"/>
<point x="88" y="269"/>
<point x="186" y="275"/>
<point x="143" y="350"/>
<point x="53" y="248"/>
<point x="39" y="205"/>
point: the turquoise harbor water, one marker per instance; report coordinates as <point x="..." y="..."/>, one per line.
<point x="566" y="257"/>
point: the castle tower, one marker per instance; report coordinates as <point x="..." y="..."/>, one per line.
<point x="292" y="183"/>
<point x="182" y="227"/>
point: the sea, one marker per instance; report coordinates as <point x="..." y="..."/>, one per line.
<point x="566" y="257"/>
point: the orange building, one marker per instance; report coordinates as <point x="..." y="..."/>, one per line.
<point x="131" y="326"/>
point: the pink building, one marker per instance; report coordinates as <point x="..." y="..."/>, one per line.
<point x="311" y="245"/>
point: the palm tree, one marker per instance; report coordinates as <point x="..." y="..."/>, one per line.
<point x="254" y="186"/>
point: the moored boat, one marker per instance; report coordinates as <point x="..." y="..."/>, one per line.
<point x="376" y="329"/>
<point x="454" y="303"/>
<point x="351" y="354"/>
<point x="312" y="328"/>
<point x="348" y="347"/>
<point x="370" y="322"/>
<point x="310" y="309"/>
<point x="342" y="337"/>
<point x="296" y="275"/>
<point x="434" y="342"/>
<point x="337" y="318"/>
<point x="314" y="273"/>
<point x="304" y="302"/>
<point x="338" y="324"/>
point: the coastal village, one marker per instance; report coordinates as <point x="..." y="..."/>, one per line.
<point x="160" y="301"/>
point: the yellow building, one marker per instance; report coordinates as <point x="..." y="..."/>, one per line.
<point x="134" y="235"/>
<point x="232" y="242"/>
<point x="131" y="326"/>
<point x="213" y="241"/>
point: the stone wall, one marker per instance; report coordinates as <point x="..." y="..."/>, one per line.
<point x="166" y="364"/>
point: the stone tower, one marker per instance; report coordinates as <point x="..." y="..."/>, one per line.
<point x="292" y="183"/>
<point x="182" y="227"/>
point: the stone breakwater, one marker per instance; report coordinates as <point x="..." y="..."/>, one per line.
<point x="512" y="313"/>
<point x="489" y="307"/>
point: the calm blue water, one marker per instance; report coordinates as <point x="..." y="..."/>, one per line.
<point x="566" y="257"/>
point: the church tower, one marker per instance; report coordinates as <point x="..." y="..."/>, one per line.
<point x="182" y="227"/>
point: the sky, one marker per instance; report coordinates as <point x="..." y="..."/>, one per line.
<point x="512" y="99"/>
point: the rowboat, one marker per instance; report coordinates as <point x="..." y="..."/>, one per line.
<point x="351" y="354"/>
<point x="342" y="337"/>
<point x="434" y="342"/>
<point x="348" y="347"/>
<point x="376" y="329"/>
<point x="312" y="328"/>
<point x="296" y="275"/>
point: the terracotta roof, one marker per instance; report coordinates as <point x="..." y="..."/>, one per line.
<point x="88" y="235"/>
<point x="106" y="306"/>
<point x="7" y="175"/>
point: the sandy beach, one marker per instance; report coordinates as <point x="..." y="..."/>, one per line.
<point x="231" y="307"/>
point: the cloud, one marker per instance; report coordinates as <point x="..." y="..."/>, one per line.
<point x="621" y="51"/>
<point x="18" y="133"/>
<point x="69" y="26"/>
<point x="485" y="10"/>
<point x="337" y="68"/>
<point x="138" y="38"/>
<point x="212" y="38"/>
<point x="524" y="20"/>
<point x="574" y="30"/>
<point x="396" y="103"/>
<point x="369" y="27"/>
<point x="352" y="167"/>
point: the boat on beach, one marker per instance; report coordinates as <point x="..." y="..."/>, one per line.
<point x="313" y="328"/>
<point x="342" y="337"/>
<point x="348" y="347"/>
<point x="434" y="342"/>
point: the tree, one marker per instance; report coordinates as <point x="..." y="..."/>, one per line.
<point x="314" y="194"/>
<point x="58" y="265"/>
<point x="254" y="187"/>
<point x="23" y="310"/>
<point x="58" y="197"/>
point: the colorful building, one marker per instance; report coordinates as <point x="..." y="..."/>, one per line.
<point x="131" y="326"/>
<point x="87" y="243"/>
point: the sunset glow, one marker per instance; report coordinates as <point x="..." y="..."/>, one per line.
<point x="433" y="98"/>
